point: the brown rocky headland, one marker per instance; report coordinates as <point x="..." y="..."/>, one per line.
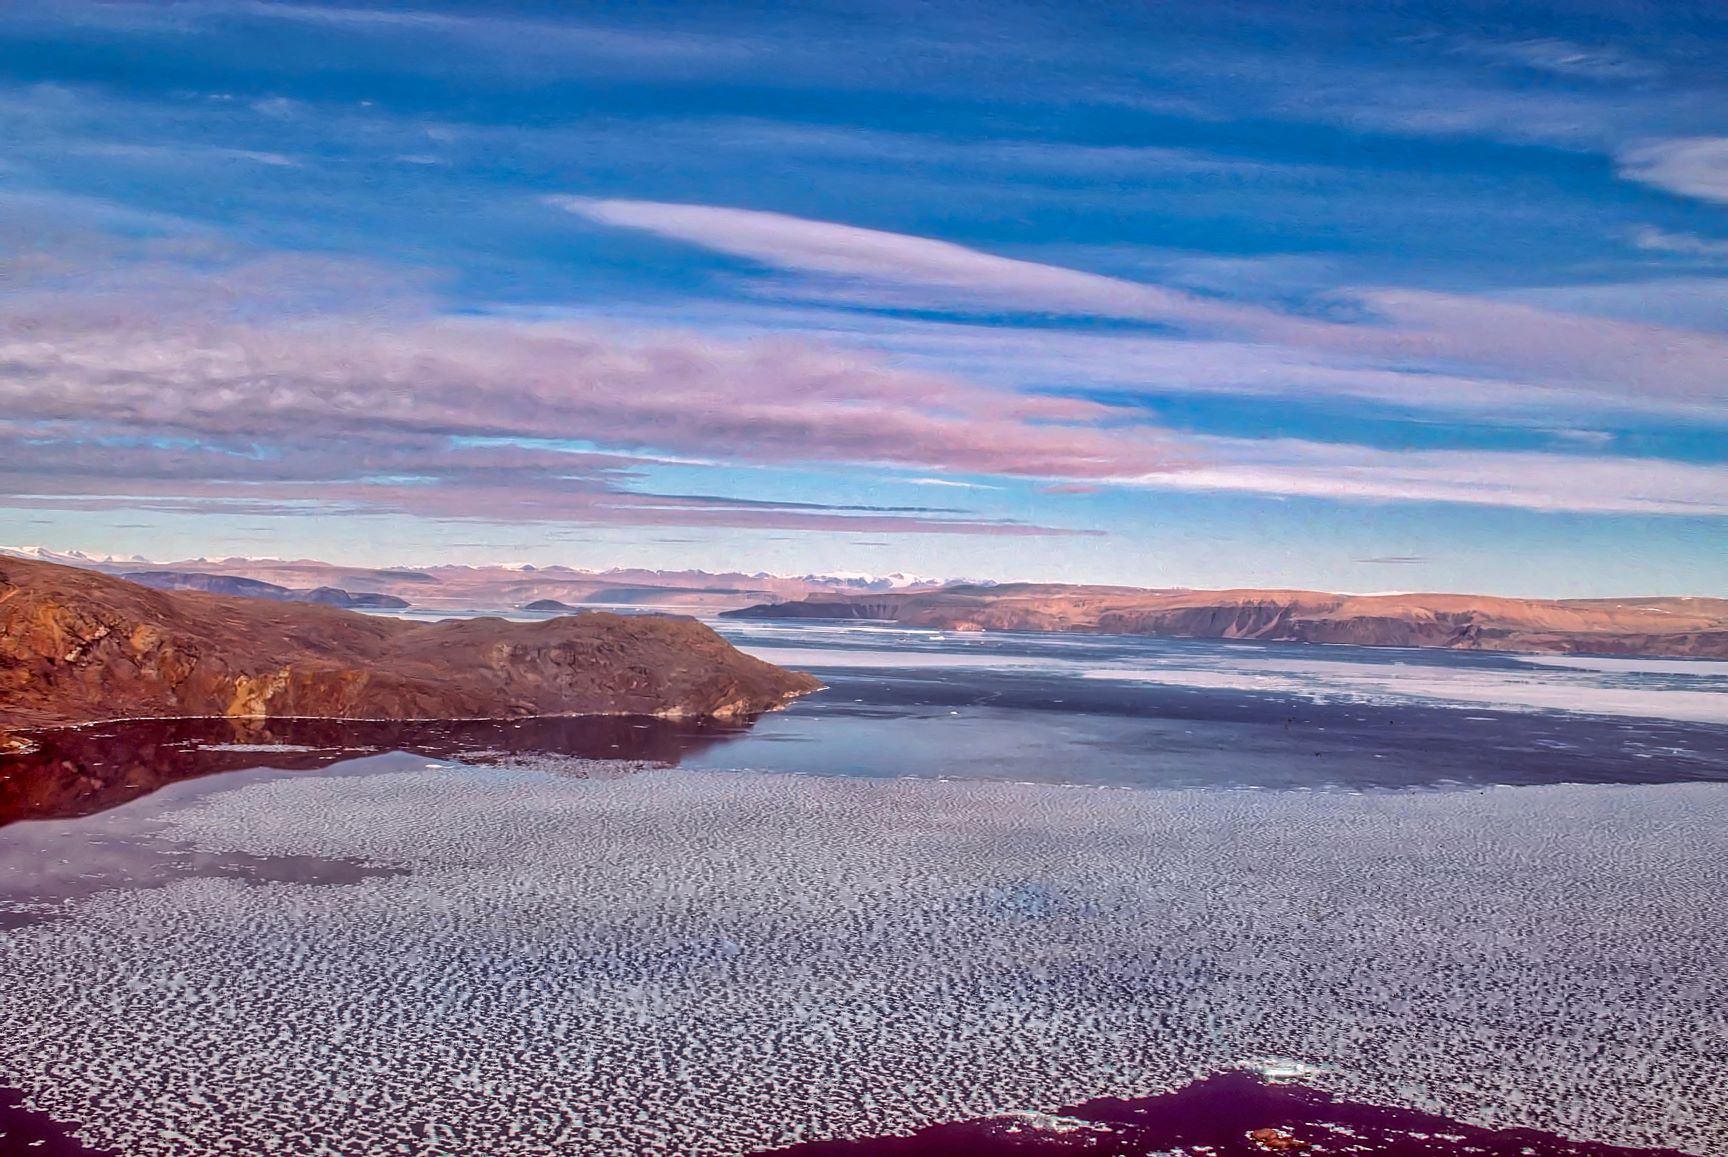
<point x="1678" y="627"/>
<point x="77" y="646"/>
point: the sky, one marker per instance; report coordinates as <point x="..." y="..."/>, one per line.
<point x="1407" y="296"/>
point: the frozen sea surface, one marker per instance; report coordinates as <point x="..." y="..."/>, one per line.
<point x="1683" y="690"/>
<point x="1011" y="873"/>
<point x="706" y="963"/>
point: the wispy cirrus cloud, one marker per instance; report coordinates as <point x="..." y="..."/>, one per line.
<point x="1567" y="58"/>
<point x="1547" y="346"/>
<point x="1127" y="365"/>
<point x="849" y="253"/>
<point x="1690" y="166"/>
<point x="1518" y="347"/>
<point x="1689" y="244"/>
<point x="517" y="37"/>
<point x="1529" y="481"/>
<point x="1696" y="304"/>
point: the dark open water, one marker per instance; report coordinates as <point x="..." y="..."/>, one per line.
<point x="1069" y="709"/>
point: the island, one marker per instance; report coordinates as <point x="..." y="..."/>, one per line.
<point x="77" y="646"/>
<point x="1667" y="626"/>
<point x="228" y="584"/>
<point x="551" y="605"/>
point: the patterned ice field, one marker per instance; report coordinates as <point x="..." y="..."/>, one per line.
<point x="698" y="963"/>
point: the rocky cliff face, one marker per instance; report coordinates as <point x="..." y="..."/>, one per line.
<point x="1694" y="628"/>
<point x="77" y="646"/>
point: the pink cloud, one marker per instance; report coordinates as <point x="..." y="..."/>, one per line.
<point x="108" y="398"/>
<point x="1591" y="353"/>
<point x="149" y="390"/>
<point x="781" y="401"/>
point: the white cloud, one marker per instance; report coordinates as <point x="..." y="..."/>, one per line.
<point x="1566" y="58"/>
<point x="1691" y="166"/>
<point x="1661" y="241"/>
<point x="949" y="482"/>
<point x="1677" y="303"/>
<point x="1596" y="438"/>
<point x="1623" y="358"/>
<point x="849" y="253"/>
<point x="1138" y="364"/>
<point x="1531" y="481"/>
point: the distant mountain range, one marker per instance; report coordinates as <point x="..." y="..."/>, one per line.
<point x="487" y="588"/>
<point x="1656" y="625"/>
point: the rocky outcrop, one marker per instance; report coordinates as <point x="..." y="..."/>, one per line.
<point x="78" y="646"/>
<point x="1276" y="1141"/>
<point x="1684" y="627"/>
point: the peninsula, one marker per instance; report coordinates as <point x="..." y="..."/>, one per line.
<point x="1668" y="626"/>
<point x="78" y="646"/>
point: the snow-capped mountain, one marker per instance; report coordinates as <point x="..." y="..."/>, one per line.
<point x="70" y="557"/>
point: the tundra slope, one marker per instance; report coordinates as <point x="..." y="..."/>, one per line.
<point x="78" y="646"/>
<point x="1681" y="627"/>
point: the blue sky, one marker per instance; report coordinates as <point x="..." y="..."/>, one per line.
<point x="1425" y="296"/>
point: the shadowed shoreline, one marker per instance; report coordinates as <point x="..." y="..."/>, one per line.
<point x="1235" y="1114"/>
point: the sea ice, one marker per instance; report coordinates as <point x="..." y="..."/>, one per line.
<point x="710" y="963"/>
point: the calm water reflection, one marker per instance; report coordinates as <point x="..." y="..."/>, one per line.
<point x="78" y="772"/>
